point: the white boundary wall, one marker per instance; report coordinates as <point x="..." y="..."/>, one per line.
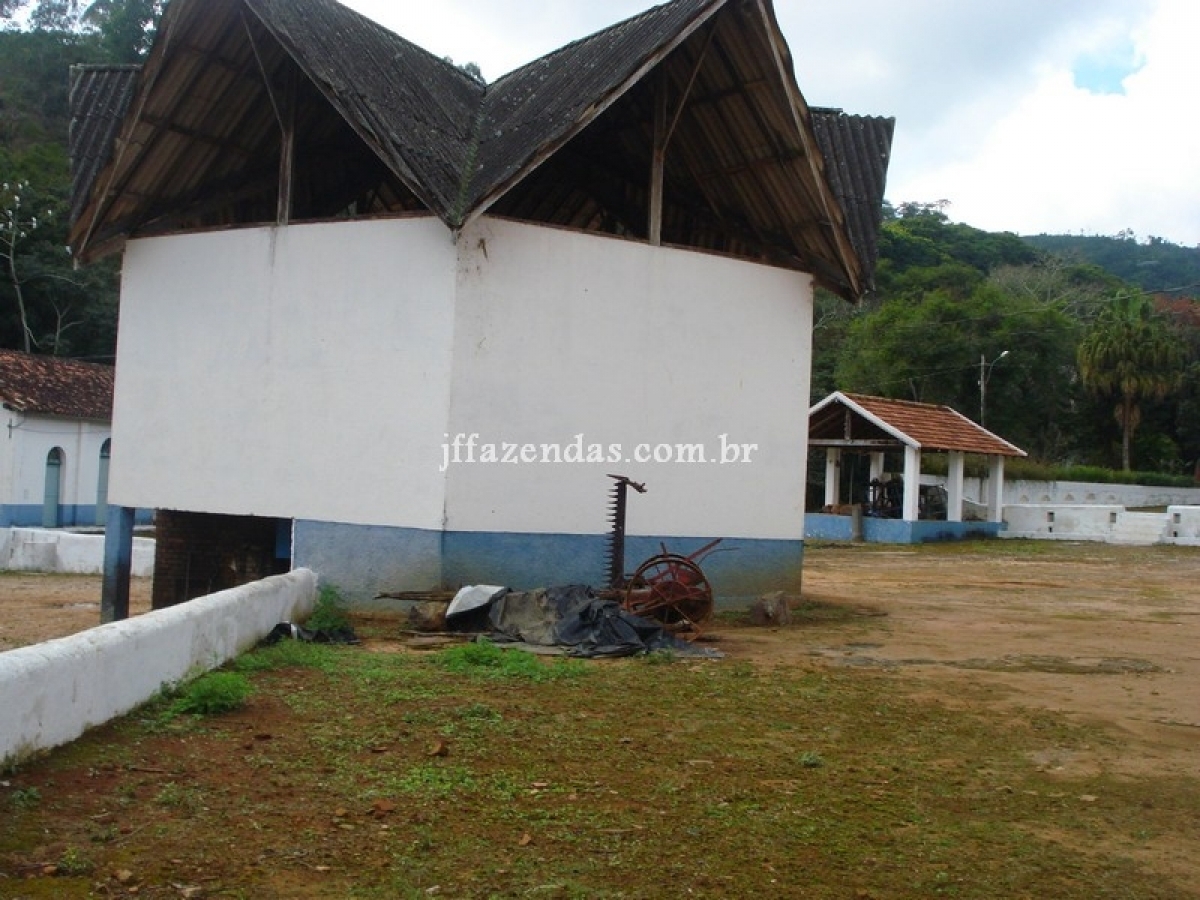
<point x="66" y="552"/>
<point x="1060" y="521"/>
<point x="1085" y="493"/>
<point x="1183" y="525"/>
<point x="51" y="693"/>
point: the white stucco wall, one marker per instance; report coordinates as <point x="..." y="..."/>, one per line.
<point x="559" y="334"/>
<point x="26" y="442"/>
<point x="299" y="372"/>
<point x="315" y="371"/>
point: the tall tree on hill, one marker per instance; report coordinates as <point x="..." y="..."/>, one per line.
<point x="1129" y="353"/>
<point x="125" y="27"/>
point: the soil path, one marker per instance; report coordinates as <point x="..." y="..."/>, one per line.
<point x="1099" y="633"/>
<point x="1104" y="634"/>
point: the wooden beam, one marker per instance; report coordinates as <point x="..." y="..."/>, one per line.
<point x="287" y="149"/>
<point x="658" y="159"/>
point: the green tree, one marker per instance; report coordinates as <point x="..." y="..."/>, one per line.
<point x="1130" y="354"/>
<point x="126" y="27"/>
<point x="927" y="347"/>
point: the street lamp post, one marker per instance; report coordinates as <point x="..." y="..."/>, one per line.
<point x="985" y="372"/>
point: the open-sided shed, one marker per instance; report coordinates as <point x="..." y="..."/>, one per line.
<point x="355" y="278"/>
<point x="875" y="426"/>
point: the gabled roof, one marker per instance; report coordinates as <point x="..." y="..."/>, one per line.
<point x="858" y="420"/>
<point x="382" y="126"/>
<point x="49" y="386"/>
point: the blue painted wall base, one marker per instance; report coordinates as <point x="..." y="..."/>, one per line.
<point x="28" y="515"/>
<point x="826" y="527"/>
<point x="362" y="561"/>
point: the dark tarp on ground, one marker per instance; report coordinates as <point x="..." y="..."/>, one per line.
<point x="569" y="616"/>
<point x="286" y="630"/>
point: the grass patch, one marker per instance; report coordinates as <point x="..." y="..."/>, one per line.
<point x="479" y="772"/>
<point x="484" y="659"/>
<point x="212" y="694"/>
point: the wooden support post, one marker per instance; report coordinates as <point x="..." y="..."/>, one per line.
<point x="118" y="563"/>
<point x="287" y="148"/>
<point x="658" y="160"/>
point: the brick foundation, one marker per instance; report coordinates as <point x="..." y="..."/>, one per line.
<point x="201" y="553"/>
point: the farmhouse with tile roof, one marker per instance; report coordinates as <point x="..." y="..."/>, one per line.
<point x="355" y="278"/>
<point x="54" y="454"/>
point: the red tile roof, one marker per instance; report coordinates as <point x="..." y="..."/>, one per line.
<point x="917" y="424"/>
<point x="49" y="386"/>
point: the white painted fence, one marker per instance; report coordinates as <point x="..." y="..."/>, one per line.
<point x="65" y="552"/>
<point x="1183" y="525"/>
<point x="1017" y="491"/>
<point x="51" y="693"/>
<point x="1102" y="522"/>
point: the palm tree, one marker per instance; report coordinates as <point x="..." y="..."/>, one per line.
<point x="1129" y="352"/>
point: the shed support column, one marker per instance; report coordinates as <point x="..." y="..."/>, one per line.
<point x="995" y="489"/>
<point x="876" y="466"/>
<point x="912" y="483"/>
<point x="954" y="486"/>
<point x="833" y="472"/>
<point x="118" y="563"/>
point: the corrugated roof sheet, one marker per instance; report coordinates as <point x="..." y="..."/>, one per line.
<point x="857" y="150"/>
<point x="100" y="98"/>
<point x="844" y="418"/>
<point x="49" y="386"/>
<point x="749" y="169"/>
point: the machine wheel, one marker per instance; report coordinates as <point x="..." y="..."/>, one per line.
<point x="673" y="591"/>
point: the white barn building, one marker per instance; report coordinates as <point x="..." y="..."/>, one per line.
<point x="385" y="321"/>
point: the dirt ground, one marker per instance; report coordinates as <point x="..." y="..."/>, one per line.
<point x="1101" y="633"/>
<point x="1103" y="636"/>
<point x="35" y="607"/>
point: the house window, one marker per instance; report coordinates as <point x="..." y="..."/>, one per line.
<point x="51" y="515"/>
<point x="102" y="483"/>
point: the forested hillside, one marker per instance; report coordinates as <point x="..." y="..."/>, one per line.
<point x="46" y="304"/>
<point x="956" y="306"/>
<point x="1083" y="350"/>
<point x="1152" y="265"/>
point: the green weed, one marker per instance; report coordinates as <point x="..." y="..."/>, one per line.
<point x="483" y="659"/>
<point x="330" y="612"/>
<point x="212" y="694"/>
<point x="25" y="798"/>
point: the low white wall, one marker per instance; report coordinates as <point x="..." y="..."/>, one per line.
<point x="1183" y="525"/>
<point x="51" y="693"/>
<point x="1061" y="521"/>
<point x="1130" y="496"/>
<point x="66" y="552"/>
